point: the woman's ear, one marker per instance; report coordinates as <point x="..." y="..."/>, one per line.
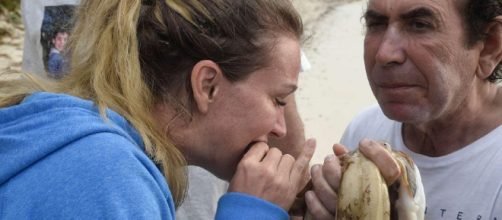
<point x="206" y="78"/>
<point x="491" y="54"/>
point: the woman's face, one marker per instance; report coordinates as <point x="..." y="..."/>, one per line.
<point x="247" y="111"/>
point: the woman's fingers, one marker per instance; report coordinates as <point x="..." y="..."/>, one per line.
<point x="285" y="164"/>
<point x="270" y="175"/>
<point x="302" y="162"/>
<point x="272" y="158"/>
<point x="256" y="152"/>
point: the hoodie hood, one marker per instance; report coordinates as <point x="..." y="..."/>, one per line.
<point x="43" y="123"/>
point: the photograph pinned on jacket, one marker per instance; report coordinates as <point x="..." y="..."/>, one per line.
<point x="48" y="25"/>
<point x="56" y="27"/>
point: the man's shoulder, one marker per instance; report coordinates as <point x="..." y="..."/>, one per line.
<point x="371" y="115"/>
<point x="370" y="123"/>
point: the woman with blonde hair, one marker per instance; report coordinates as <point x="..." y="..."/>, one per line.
<point x="154" y="85"/>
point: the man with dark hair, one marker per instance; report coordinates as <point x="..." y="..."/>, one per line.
<point x="433" y="67"/>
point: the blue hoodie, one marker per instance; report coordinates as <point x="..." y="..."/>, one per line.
<point x="59" y="159"/>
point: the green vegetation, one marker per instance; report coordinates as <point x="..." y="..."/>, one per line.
<point x="10" y="11"/>
<point x="10" y="16"/>
<point x="10" y="5"/>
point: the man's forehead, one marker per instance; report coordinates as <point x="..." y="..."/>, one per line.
<point x="400" y="7"/>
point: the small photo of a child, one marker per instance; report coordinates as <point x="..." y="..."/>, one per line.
<point x="56" y="28"/>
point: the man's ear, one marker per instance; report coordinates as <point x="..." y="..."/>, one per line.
<point x="206" y="77"/>
<point x="491" y="54"/>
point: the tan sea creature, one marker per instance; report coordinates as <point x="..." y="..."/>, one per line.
<point x="364" y="194"/>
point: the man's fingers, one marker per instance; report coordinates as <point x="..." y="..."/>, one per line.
<point x="315" y="207"/>
<point x="332" y="171"/>
<point x="323" y="190"/>
<point x="339" y="149"/>
<point x="382" y="158"/>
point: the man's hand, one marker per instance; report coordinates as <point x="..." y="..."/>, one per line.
<point x="322" y="200"/>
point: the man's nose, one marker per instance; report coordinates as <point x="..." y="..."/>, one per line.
<point x="391" y="50"/>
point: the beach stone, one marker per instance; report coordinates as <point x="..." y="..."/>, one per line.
<point x="4" y="63"/>
<point x="11" y="52"/>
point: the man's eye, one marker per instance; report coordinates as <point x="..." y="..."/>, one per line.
<point x="374" y="25"/>
<point x="280" y="102"/>
<point x="420" y="25"/>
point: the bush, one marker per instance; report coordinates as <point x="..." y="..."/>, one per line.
<point x="10" y="16"/>
<point x="10" y="5"/>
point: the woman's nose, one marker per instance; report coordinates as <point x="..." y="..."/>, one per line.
<point x="279" y="130"/>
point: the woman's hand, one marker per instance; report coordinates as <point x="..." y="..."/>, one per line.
<point x="268" y="174"/>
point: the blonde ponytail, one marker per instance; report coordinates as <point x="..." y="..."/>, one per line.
<point x="106" y="68"/>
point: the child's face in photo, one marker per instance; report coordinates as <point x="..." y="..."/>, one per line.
<point x="60" y="40"/>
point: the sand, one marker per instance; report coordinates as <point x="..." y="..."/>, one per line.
<point x="335" y="89"/>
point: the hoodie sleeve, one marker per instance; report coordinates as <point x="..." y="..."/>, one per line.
<point x="243" y="207"/>
<point x="100" y="176"/>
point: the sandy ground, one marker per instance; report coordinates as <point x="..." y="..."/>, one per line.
<point x="335" y="89"/>
<point x="330" y="93"/>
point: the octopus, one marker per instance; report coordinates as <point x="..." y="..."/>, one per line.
<point x="364" y="194"/>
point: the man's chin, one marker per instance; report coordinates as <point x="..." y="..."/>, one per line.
<point x="400" y="112"/>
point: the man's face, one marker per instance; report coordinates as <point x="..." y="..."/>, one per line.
<point x="417" y="64"/>
<point x="60" y="40"/>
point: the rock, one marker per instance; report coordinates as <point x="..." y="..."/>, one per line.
<point x="11" y="46"/>
<point x="15" y="54"/>
<point x="4" y="63"/>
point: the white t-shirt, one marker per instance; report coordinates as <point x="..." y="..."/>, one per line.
<point x="204" y="190"/>
<point x="466" y="184"/>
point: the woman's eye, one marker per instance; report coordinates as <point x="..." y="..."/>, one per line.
<point x="279" y="102"/>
